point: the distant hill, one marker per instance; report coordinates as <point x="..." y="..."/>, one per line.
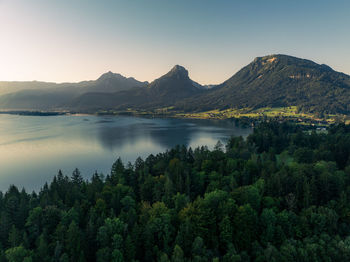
<point x="50" y="96"/>
<point x="279" y="81"/>
<point x="7" y="87"/>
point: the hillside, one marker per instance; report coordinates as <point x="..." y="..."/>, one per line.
<point x="279" y="81"/>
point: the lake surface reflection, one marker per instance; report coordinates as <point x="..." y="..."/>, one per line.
<point x="34" y="148"/>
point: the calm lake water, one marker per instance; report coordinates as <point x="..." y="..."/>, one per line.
<point x="34" y="148"/>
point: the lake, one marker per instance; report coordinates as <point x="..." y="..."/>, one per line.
<point x="34" y="148"/>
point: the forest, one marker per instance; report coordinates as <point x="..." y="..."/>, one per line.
<point x="281" y="194"/>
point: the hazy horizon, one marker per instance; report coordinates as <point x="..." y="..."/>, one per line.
<point x="83" y="80"/>
<point x="65" y="41"/>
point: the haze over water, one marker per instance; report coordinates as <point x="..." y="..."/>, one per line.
<point x="34" y="148"/>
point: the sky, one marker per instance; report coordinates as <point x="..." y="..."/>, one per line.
<point x="75" y="40"/>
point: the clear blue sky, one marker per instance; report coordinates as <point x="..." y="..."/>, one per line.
<point x="74" y="40"/>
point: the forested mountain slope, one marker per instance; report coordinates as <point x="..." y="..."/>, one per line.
<point x="279" y="81"/>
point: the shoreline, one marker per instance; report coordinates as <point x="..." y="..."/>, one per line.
<point x="308" y="120"/>
<point x="32" y="113"/>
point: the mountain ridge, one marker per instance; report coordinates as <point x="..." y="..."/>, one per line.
<point x="52" y="96"/>
<point x="270" y="81"/>
<point x="165" y="90"/>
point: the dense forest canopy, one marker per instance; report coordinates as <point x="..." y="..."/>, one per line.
<point x="280" y="195"/>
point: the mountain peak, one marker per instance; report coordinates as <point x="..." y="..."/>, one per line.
<point x="110" y="75"/>
<point x="174" y="85"/>
<point x="178" y="70"/>
<point x="287" y="60"/>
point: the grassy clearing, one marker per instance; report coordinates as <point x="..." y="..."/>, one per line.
<point x="249" y="112"/>
<point x="291" y="112"/>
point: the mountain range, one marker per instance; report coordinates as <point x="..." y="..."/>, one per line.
<point x="269" y="81"/>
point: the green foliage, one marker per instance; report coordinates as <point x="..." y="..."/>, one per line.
<point x="280" y="195"/>
<point x="18" y="254"/>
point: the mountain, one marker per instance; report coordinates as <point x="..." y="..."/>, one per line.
<point x="51" y="96"/>
<point x="279" y="81"/>
<point x="269" y="81"/>
<point x="112" y="82"/>
<point x="162" y="92"/>
<point x="174" y="85"/>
